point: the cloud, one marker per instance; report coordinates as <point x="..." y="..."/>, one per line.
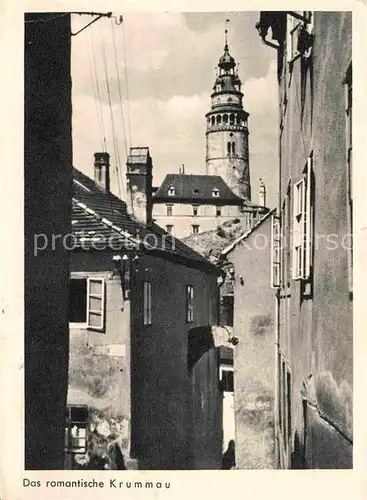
<point x="171" y="73"/>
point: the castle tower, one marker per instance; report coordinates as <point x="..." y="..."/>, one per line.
<point x="226" y="129"/>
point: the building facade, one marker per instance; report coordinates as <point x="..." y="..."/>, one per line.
<point x="191" y="204"/>
<point x="254" y="327"/>
<point x="313" y="258"/>
<point x="143" y="370"/>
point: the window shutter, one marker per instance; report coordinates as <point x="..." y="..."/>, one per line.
<point x="275" y="253"/>
<point x="308" y="221"/>
<point x="298" y="228"/>
<point x="95" y="303"/>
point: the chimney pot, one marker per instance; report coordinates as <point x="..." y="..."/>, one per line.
<point x="102" y="170"/>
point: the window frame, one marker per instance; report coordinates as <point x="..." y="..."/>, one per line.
<point x="226" y="369"/>
<point x="87" y="324"/>
<point x="189" y="304"/>
<point x="169" y="210"/>
<point x="171" y="191"/>
<point x="195" y="210"/>
<point x="302" y="220"/>
<point x="147" y="303"/>
<point x="195" y="228"/>
<point x="215" y="193"/>
<point x="68" y="448"/>
<point x="275" y="252"/>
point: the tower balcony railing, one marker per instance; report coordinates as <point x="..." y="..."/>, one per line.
<point x="226" y="126"/>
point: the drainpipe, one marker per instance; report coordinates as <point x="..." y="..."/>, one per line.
<point x="276" y="374"/>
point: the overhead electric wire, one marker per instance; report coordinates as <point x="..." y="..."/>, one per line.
<point x="115" y="146"/>
<point x="95" y="86"/>
<point x="126" y="81"/>
<point x="99" y="104"/>
<point x="119" y="87"/>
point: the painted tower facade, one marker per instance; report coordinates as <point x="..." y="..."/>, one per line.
<point x="227" y="152"/>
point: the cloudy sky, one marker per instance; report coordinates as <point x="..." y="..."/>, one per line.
<point x="170" y="70"/>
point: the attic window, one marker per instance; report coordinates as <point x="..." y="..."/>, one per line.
<point x="171" y="191"/>
<point x="215" y="193"/>
<point x="196" y="191"/>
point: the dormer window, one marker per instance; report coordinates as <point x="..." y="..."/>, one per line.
<point x="215" y="193"/>
<point x="171" y="191"/>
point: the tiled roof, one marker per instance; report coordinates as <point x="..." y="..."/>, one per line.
<point x="191" y="188"/>
<point x="101" y="218"/>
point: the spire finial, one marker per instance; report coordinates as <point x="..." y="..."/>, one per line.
<point x="226" y="33"/>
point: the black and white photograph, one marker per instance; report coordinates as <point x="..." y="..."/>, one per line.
<point x="189" y="243"/>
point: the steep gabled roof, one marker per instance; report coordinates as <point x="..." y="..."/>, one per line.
<point x="101" y="218"/>
<point x="196" y="188"/>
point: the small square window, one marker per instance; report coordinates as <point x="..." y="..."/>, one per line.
<point x="195" y="210"/>
<point x="195" y="229"/>
<point x="169" y="209"/>
<point x="218" y="211"/>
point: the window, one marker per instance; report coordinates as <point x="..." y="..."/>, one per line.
<point x="275" y="252"/>
<point x="233" y="148"/>
<point x="227" y="380"/>
<point x="229" y="148"/>
<point x="189" y="304"/>
<point x="299" y="35"/>
<point x="170" y="229"/>
<point x="349" y="144"/>
<point x="169" y="209"/>
<point x="86" y="303"/>
<point x="195" y="228"/>
<point x="218" y="211"/>
<point x="195" y="210"/>
<point x="76" y="420"/>
<point x="215" y="193"/>
<point x="147" y="302"/>
<point x="171" y="191"/>
<point x="293" y="27"/>
<point x="302" y="225"/>
<point x="285" y="247"/>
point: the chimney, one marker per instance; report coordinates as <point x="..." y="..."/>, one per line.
<point x="102" y="170"/>
<point x="262" y="194"/>
<point x="139" y="184"/>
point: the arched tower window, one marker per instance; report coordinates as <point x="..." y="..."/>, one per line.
<point x="231" y="119"/>
<point x="233" y="147"/>
<point x="213" y="121"/>
<point x="229" y="147"/>
<point x="238" y="120"/>
<point x="225" y="118"/>
<point x="219" y="120"/>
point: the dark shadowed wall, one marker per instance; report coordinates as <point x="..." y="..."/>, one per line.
<point x="161" y="387"/>
<point x="47" y="180"/>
